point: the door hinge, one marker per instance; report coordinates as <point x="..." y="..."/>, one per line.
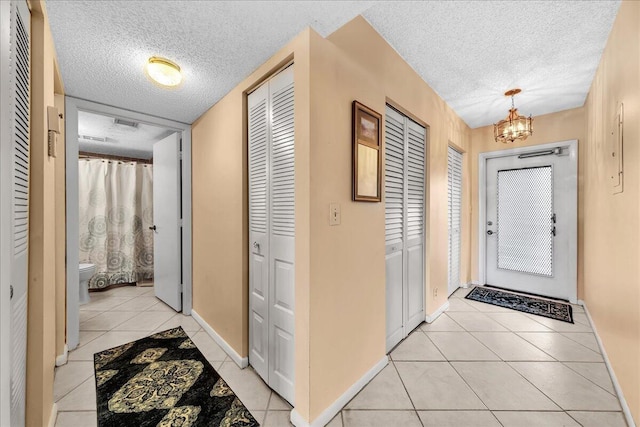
<point x="10" y="292"/>
<point x="180" y="222"/>
<point x="181" y="287"/>
<point x="180" y="155"/>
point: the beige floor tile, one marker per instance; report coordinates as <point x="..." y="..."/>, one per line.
<point x="259" y="416"/>
<point x="518" y="322"/>
<point x="594" y="372"/>
<point x="88" y="336"/>
<point x="356" y="418"/>
<point x="186" y="322"/>
<point x="535" y="419"/>
<point x="436" y="385"/>
<point x="208" y="347"/>
<point x="560" y="326"/>
<point x="565" y="387"/>
<point x="82" y="398"/>
<point x="139" y="303"/>
<point x="385" y="391"/>
<point x="501" y="388"/>
<point x="277" y="419"/>
<point x="277" y="403"/>
<point x="107" y="340"/>
<point x="103" y="303"/>
<point x="599" y="419"/>
<point x="145" y="321"/>
<point x="459" y="304"/>
<point x="477" y="322"/>
<point x="587" y="339"/>
<point x="107" y="321"/>
<point x="69" y="376"/>
<point x="88" y="314"/>
<point x="123" y="291"/>
<point x="581" y="318"/>
<point x="336" y="421"/>
<point x="442" y="324"/>
<point x="561" y="347"/>
<point x="247" y="385"/>
<point x="510" y="346"/>
<point x="577" y="308"/>
<point x="461" y="346"/>
<point x="416" y="346"/>
<point x="77" y="419"/>
<point x="458" y="419"/>
<point x="161" y="306"/>
<point x="462" y="292"/>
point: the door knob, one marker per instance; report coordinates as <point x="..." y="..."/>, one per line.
<point x="489" y="232"/>
<point x="153" y="227"/>
<point x="256" y="246"/>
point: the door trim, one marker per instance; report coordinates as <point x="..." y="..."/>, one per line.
<point x="72" y="106"/>
<point x="572" y="145"/>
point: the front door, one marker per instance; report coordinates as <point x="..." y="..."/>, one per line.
<point x="167" y="238"/>
<point x="531" y="223"/>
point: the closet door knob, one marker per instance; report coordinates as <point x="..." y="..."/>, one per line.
<point x="152" y="228"/>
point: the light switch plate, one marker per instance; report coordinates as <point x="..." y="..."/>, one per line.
<point x="334" y="214"/>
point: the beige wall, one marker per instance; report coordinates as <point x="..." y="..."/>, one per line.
<point x="612" y="222"/>
<point x="561" y="126"/>
<point x="220" y="212"/>
<point x="41" y="341"/>
<point x="348" y="261"/>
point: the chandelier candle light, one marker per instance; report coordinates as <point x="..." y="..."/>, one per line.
<point x="514" y="126"/>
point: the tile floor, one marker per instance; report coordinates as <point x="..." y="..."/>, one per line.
<point x="476" y="365"/>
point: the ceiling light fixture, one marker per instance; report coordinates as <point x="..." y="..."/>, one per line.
<point x="164" y="72"/>
<point x="514" y="126"/>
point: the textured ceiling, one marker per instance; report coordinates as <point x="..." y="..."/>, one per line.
<point x="121" y="140"/>
<point x="469" y="52"/>
<point x="102" y="46"/>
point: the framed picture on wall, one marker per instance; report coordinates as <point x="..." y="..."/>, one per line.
<point x="367" y="154"/>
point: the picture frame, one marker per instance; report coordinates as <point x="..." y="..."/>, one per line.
<point x="367" y="154"/>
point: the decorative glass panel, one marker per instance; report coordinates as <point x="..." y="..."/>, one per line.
<point x="525" y="220"/>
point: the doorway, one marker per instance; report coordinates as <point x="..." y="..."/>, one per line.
<point x="405" y="164"/>
<point x="529" y="220"/>
<point x="169" y="144"/>
<point x="271" y="153"/>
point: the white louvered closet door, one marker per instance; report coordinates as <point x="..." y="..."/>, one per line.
<point x="405" y="164"/>
<point x="19" y="107"/>
<point x="272" y="232"/>
<point x="454" y="162"/>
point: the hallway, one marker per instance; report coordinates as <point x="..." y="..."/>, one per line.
<point x="476" y="365"/>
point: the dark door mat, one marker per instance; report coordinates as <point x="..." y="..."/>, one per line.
<point x="526" y="304"/>
<point x="164" y="380"/>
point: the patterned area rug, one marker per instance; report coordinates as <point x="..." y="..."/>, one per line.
<point x="163" y="380"/>
<point x="527" y="304"/>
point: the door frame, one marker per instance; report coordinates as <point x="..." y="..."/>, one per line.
<point x="72" y="106"/>
<point x="572" y="146"/>
<point x="463" y="153"/>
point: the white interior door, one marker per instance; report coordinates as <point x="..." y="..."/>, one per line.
<point x="454" y="163"/>
<point x="405" y="164"/>
<point x="167" y="239"/>
<point x="272" y="232"/>
<point x="15" y="214"/>
<point x="531" y="224"/>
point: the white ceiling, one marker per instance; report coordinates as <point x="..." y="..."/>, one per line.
<point x="122" y="140"/>
<point x="469" y="52"/>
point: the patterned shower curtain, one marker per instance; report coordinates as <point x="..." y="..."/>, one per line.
<point x="116" y="211"/>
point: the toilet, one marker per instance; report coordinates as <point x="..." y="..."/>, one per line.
<point x="86" y="271"/>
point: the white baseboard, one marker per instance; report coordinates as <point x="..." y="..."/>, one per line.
<point x="327" y="415"/>
<point x="429" y="318"/>
<point x="62" y="359"/>
<point x="54" y="415"/>
<point x="242" y="362"/>
<point x="616" y="385"/>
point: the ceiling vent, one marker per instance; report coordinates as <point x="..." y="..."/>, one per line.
<point x="93" y="138"/>
<point x="123" y="122"/>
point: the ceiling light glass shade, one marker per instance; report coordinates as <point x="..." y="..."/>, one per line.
<point x="514" y="126"/>
<point x="164" y="72"/>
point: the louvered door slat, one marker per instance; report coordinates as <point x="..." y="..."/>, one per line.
<point x="394" y="180"/>
<point x="415" y="180"/>
<point x="282" y="175"/>
<point x="454" y="198"/>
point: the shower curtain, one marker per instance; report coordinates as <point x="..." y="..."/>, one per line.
<point x="116" y="211"/>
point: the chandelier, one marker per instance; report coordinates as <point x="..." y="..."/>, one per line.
<point x="514" y="126"/>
